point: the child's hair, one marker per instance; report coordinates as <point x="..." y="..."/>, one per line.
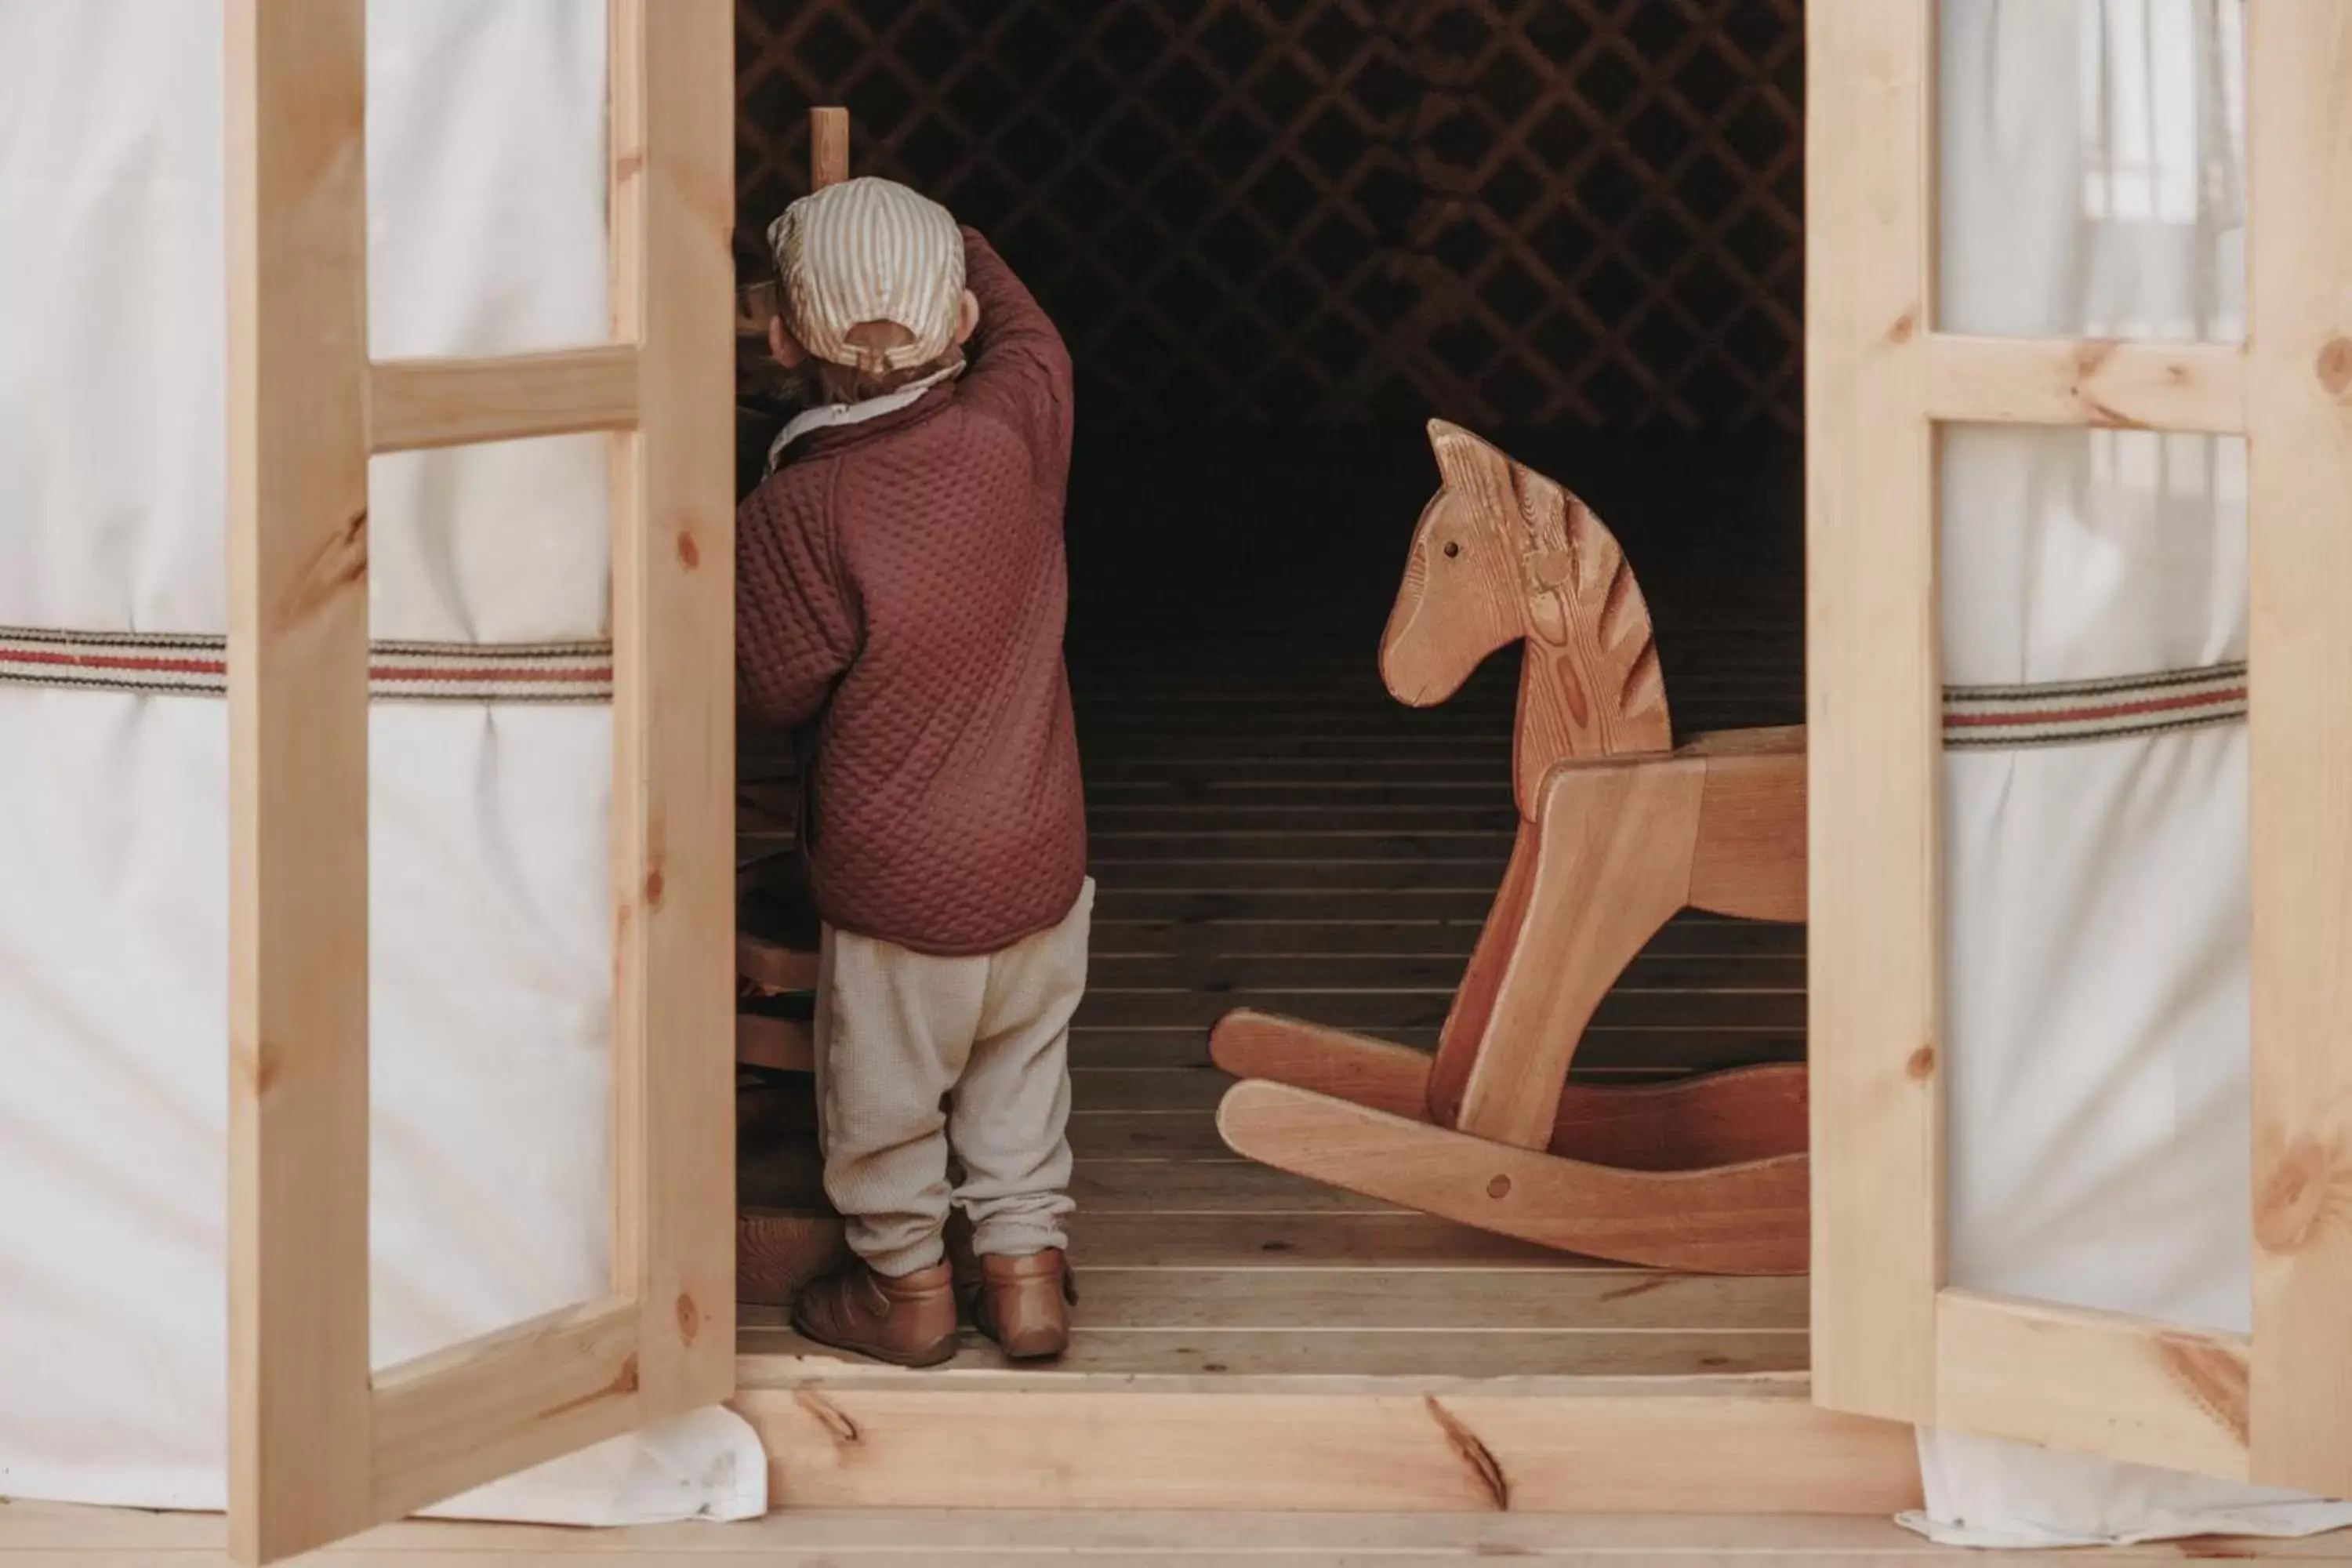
<point x="816" y="382"/>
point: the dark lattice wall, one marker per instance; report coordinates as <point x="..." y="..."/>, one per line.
<point x="1519" y="212"/>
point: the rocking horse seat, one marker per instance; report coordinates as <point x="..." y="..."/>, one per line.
<point x="1619" y="832"/>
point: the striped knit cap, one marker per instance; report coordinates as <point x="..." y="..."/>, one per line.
<point x="869" y="250"/>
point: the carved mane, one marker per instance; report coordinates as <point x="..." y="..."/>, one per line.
<point x="1590" y="685"/>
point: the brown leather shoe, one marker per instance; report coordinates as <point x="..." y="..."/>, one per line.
<point x="908" y="1321"/>
<point x="1025" y="1304"/>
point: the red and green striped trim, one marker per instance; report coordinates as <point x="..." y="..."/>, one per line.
<point x="2076" y="712"/>
<point x="159" y="664"/>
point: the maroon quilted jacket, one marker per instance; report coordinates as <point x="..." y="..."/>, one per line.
<point x="900" y="597"/>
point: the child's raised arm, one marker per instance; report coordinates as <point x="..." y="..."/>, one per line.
<point x="1019" y="367"/>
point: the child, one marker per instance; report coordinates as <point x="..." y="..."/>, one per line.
<point x="901" y="598"/>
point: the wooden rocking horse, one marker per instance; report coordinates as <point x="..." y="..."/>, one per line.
<point x="1619" y="831"/>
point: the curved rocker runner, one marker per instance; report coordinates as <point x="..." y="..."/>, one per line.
<point x="1619" y="831"/>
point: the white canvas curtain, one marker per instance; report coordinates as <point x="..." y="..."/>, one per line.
<point x="490" y="996"/>
<point x="2092" y="157"/>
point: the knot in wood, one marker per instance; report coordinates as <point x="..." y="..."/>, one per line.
<point x="2335" y="366"/>
<point x="2294" y="1194"/>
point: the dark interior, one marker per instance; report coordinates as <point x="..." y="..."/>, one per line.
<point x="1279" y="237"/>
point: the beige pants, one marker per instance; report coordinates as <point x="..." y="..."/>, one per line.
<point x="916" y="1056"/>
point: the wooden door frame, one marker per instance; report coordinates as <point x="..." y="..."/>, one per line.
<point x="321" y="1445"/>
<point x="1890" y="1337"/>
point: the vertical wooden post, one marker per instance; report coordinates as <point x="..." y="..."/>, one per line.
<point x="828" y="147"/>
<point x="2299" y="424"/>
<point x="1872" y="707"/>
<point x="673" y="705"/>
<point x="297" y="660"/>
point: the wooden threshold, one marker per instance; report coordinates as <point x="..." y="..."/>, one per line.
<point x="123" y="1538"/>
<point x="839" y="1435"/>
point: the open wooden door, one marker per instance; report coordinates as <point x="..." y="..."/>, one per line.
<point x="1889" y="1338"/>
<point x="322" y="1445"/>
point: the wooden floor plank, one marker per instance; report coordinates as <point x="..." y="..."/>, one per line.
<point x="1239" y="846"/>
<point x="1173" y="1132"/>
<point x="1231" y="1185"/>
<point x="1241" y="1241"/>
<point x="1195" y="770"/>
<point x="1276" y="971"/>
<point x="1364" y="790"/>
<point x="1120" y="815"/>
<point x="1508" y="1301"/>
<point x="1181" y="1135"/>
<point x="1374" y="1354"/>
<point x="102" y="1538"/>
<point x="1607" y="1053"/>
<point x="1243" y="937"/>
<point x="1477" y="878"/>
<point x="1776" y="1011"/>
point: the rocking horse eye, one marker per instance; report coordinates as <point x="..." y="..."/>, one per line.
<point x="1453" y="548"/>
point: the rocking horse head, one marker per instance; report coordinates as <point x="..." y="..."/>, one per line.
<point x="1502" y="555"/>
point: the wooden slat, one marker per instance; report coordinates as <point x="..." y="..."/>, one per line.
<point x="774" y="965"/>
<point x="1872" y="707"/>
<point x="2300" y="474"/>
<point x="502" y="1403"/>
<point x="828" y="147"/>
<point x="2096" y="381"/>
<point x="781" y="1045"/>
<point x="297" y="659"/>
<point x="673" y="707"/>
<point x="420" y="403"/>
<point x="2093" y="1383"/>
<point x="1689" y="1444"/>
